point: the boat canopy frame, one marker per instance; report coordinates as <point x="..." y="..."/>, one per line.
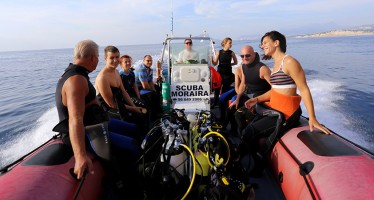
<point x="188" y="72"/>
<point x="167" y="47"/>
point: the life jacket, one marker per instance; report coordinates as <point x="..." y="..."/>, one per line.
<point x="216" y="78"/>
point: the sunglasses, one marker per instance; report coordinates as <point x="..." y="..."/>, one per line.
<point x="188" y="43"/>
<point x="246" y="55"/>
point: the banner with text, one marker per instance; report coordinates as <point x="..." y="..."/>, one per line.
<point x="188" y="92"/>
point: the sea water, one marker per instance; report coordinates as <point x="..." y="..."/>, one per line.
<point x="339" y="73"/>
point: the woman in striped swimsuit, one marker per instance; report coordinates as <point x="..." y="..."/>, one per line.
<point x="286" y="78"/>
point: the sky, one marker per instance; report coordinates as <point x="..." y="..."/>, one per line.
<point x="54" y="24"/>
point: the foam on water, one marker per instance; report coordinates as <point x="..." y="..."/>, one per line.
<point x="25" y="142"/>
<point x="326" y="96"/>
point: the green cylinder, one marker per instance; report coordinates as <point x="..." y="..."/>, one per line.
<point x="166" y="96"/>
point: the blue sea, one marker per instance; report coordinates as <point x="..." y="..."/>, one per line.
<point x="339" y="73"/>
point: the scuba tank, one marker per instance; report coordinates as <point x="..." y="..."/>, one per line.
<point x="173" y="154"/>
<point x="198" y="131"/>
<point x="166" y="96"/>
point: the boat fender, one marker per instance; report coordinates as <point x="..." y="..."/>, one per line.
<point x="216" y="78"/>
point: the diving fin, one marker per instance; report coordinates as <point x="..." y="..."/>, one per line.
<point x="97" y="136"/>
<point x="99" y="139"/>
<point x="62" y="126"/>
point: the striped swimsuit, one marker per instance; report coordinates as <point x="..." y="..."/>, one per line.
<point x="280" y="79"/>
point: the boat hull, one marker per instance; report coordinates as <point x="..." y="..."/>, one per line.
<point x="45" y="174"/>
<point x="312" y="165"/>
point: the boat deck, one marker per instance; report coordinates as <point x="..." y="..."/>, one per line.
<point x="263" y="181"/>
<point x="266" y="187"/>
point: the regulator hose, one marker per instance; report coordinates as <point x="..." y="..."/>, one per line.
<point x="226" y="143"/>
<point x="193" y="172"/>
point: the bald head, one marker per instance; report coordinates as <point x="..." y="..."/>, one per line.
<point x="248" y="55"/>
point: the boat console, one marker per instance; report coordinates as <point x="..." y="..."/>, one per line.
<point x="189" y="76"/>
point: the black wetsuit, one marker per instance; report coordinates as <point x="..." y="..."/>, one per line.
<point x="255" y="86"/>
<point x="73" y="70"/>
<point x="125" y="149"/>
<point x="140" y="120"/>
<point x="225" y="69"/>
<point x="128" y="81"/>
<point x="93" y="114"/>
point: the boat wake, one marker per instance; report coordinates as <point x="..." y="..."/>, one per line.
<point x="328" y="97"/>
<point x="25" y="142"/>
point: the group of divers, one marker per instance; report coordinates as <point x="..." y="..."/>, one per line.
<point x="129" y="99"/>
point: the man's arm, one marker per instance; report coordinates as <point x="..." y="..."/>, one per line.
<point x="158" y="69"/>
<point x="143" y="78"/>
<point x="136" y="89"/>
<point x="146" y="85"/>
<point x="74" y="91"/>
<point x="130" y="104"/>
<point x="239" y="86"/>
<point x="241" y="89"/>
<point x="103" y="86"/>
<point x="152" y="86"/>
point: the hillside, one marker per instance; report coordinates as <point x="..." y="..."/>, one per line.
<point x="356" y="31"/>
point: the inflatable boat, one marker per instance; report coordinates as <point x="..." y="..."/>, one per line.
<point x="313" y="165"/>
<point x="46" y="173"/>
<point x="300" y="165"/>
